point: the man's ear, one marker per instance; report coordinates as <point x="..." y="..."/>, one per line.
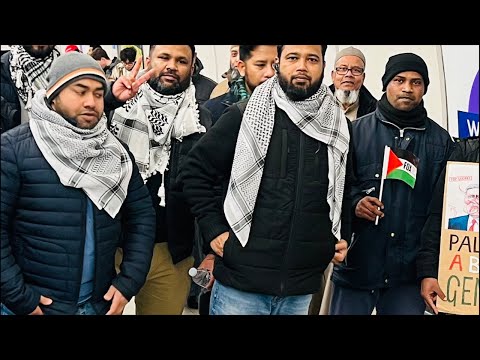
<point x="241" y="67"/>
<point x="194" y="59"/>
<point x="52" y="103"/>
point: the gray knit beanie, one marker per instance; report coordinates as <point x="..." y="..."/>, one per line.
<point x="351" y="51"/>
<point x="71" y="67"/>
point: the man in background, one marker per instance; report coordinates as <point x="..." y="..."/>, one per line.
<point x="23" y="72"/>
<point x="348" y="76"/>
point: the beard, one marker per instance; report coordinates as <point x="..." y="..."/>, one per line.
<point x="170" y="89"/>
<point x="298" y="93"/>
<point x="39" y="51"/>
<point x="347" y="97"/>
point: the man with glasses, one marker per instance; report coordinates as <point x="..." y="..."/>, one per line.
<point x="285" y="167"/>
<point x="348" y="77"/>
<point x="356" y="101"/>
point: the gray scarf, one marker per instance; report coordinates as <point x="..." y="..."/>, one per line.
<point x="319" y="117"/>
<point x="89" y="159"/>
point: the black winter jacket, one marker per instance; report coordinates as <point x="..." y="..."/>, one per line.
<point x="219" y="104"/>
<point x="10" y="104"/>
<point x="290" y="242"/>
<point x="466" y="150"/>
<point x="43" y="234"/>
<point x="203" y="85"/>
<point x="384" y="255"/>
<point x="175" y="222"/>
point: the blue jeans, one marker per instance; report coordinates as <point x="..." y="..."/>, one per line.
<point x="83" y="309"/>
<point x="86" y="309"/>
<point x="398" y="300"/>
<point x="4" y="310"/>
<point x="227" y="300"/>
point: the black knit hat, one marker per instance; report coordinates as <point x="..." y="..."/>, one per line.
<point x="405" y="62"/>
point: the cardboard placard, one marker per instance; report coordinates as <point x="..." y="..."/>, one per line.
<point x="459" y="244"/>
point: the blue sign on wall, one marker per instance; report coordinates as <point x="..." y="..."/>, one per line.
<point x="467" y="124"/>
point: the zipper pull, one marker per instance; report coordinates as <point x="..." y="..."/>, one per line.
<point x="368" y="191"/>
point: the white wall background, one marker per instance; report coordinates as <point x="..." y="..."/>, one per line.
<point x="450" y="71"/>
<point x="461" y="64"/>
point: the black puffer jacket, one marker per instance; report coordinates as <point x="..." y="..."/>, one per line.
<point x="466" y="150"/>
<point x="43" y="234"/>
<point x="290" y="242"/>
<point x="384" y="255"/>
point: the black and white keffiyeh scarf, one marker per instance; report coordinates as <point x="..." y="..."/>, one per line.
<point x="89" y="159"/>
<point x="149" y="121"/>
<point x="29" y="74"/>
<point x="319" y="117"/>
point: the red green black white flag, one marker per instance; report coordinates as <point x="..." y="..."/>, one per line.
<point x="400" y="165"/>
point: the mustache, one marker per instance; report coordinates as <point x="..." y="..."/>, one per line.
<point x="169" y="73"/>
<point x="303" y="77"/>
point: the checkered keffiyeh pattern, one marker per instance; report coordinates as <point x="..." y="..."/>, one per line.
<point x="319" y="117"/>
<point x="89" y="159"/>
<point x="149" y="121"/>
<point x="29" y="74"/>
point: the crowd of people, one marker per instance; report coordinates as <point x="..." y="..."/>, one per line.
<point x="116" y="180"/>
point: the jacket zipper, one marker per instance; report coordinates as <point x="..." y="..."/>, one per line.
<point x="295" y="205"/>
<point x="84" y="234"/>
<point x="403" y="130"/>
<point x="368" y="191"/>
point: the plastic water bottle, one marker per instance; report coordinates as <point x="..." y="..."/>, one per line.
<point x="201" y="277"/>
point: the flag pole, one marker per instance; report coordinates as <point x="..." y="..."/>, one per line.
<point x="386" y="155"/>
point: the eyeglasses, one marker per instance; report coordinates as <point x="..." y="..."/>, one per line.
<point x="356" y="71"/>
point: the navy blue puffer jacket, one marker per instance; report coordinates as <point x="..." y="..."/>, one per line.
<point x="43" y="234"/>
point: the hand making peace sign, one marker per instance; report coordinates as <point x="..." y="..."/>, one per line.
<point x="125" y="87"/>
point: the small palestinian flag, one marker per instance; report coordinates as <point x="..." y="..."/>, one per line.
<point x="400" y="165"/>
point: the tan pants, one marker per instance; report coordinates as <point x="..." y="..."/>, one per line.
<point x="167" y="286"/>
<point x="320" y="304"/>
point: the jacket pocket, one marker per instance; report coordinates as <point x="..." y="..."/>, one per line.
<point x="368" y="179"/>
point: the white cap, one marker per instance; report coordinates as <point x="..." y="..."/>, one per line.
<point x="192" y="272"/>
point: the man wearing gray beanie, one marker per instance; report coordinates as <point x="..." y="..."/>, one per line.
<point x="348" y="76"/>
<point x="380" y="270"/>
<point x="69" y="188"/>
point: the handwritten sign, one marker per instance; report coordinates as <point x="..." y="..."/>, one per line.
<point x="459" y="245"/>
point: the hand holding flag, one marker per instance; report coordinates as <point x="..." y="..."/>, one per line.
<point x="398" y="165"/>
